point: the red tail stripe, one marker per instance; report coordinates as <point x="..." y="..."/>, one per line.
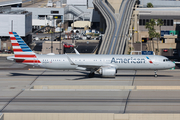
<point x="26" y="56"/>
<point x="12" y="38"/>
<point x="28" y="61"/>
<point x="10" y="33"/>
<point x="17" y="50"/>
<point x="15" y="44"/>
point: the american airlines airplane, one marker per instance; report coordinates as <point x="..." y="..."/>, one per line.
<point x="106" y="65"/>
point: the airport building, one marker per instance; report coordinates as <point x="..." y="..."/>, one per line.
<point x="63" y="12"/>
<point x="35" y="14"/>
<point x="169" y="31"/>
<point x="14" y="20"/>
<point x="160" y="3"/>
<point x="12" y="3"/>
<point x="45" y="16"/>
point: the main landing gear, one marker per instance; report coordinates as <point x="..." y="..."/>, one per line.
<point x="155" y="75"/>
<point x="91" y="74"/>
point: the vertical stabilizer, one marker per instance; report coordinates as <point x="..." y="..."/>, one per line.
<point x="22" y="50"/>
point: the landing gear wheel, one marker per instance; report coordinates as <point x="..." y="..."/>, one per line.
<point x="155" y="74"/>
<point x="91" y="75"/>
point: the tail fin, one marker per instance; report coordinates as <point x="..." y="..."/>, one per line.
<point x="20" y="48"/>
<point x="22" y="52"/>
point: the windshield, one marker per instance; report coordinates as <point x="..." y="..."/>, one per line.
<point x="164" y="60"/>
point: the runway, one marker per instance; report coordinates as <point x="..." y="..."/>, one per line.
<point x="17" y="94"/>
<point x="15" y="97"/>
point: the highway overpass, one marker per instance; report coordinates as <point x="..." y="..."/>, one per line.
<point x="118" y="22"/>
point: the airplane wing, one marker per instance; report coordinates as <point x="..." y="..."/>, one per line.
<point x="90" y="66"/>
<point x="94" y="66"/>
<point x="70" y="61"/>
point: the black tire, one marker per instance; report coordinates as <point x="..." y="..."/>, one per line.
<point x="155" y="75"/>
<point x="91" y="75"/>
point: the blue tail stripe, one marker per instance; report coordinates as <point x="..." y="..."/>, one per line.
<point x="17" y="36"/>
<point x="24" y="47"/>
<point x="22" y="44"/>
<point x="26" y="50"/>
<point x="18" y="39"/>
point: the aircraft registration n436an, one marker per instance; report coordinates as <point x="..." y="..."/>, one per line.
<point x="106" y="65"/>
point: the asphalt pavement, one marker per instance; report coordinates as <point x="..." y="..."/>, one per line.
<point x="17" y="93"/>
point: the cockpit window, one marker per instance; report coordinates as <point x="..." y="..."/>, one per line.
<point x="164" y="60"/>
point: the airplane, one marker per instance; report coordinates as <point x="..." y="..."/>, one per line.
<point x="106" y="65"/>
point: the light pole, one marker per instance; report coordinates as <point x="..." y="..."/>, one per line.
<point x="60" y="40"/>
<point x="73" y="30"/>
<point x="51" y="19"/>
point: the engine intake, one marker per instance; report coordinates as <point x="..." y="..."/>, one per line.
<point x="108" y="71"/>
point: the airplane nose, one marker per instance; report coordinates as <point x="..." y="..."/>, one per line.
<point x="172" y="65"/>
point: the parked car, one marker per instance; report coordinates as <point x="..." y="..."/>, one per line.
<point x="165" y="50"/>
<point x="88" y="37"/>
<point x="68" y="45"/>
<point x="8" y="51"/>
<point x="84" y="37"/>
<point x="96" y="38"/>
<point x="1" y="51"/>
<point x="46" y="38"/>
<point x="35" y="38"/>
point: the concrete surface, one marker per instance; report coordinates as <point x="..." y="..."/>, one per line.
<point x="16" y="97"/>
<point x="88" y="116"/>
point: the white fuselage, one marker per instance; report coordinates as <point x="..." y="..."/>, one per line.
<point x="120" y="62"/>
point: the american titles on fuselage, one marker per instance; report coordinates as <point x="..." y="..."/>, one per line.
<point x="128" y="60"/>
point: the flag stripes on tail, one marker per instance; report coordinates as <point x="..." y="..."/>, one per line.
<point x="22" y="50"/>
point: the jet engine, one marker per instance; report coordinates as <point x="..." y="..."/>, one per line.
<point x="107" y="71"/>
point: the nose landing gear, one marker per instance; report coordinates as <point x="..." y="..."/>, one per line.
<point x="155" y="75"/>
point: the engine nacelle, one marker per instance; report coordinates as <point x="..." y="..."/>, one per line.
<point x="108" y="71"/>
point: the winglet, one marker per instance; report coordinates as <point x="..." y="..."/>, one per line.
<point x="76" y="51"/>
<point x="70" y="61"/>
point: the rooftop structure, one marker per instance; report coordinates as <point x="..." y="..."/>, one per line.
<point x="10" y="2"/>
<point x="16" y="20"/>
<point x="160" y="3"/>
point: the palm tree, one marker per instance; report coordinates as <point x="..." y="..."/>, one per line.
<point x="157" y="36"/>
<point x="150" y="5"/>
<point x="159" y="23"/>
<point x="151" y="31"/>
